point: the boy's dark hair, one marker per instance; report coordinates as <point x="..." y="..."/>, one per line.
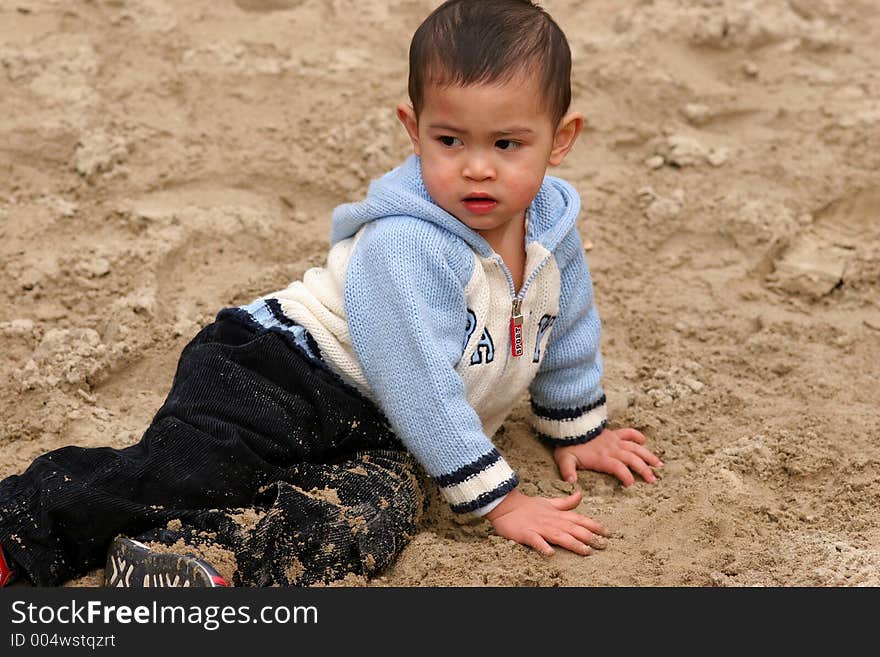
<point x="467" y="42"/>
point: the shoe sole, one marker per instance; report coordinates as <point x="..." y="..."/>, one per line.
<point x="131" y="564"/>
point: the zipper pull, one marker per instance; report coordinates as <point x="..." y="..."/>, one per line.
<point x="516" y="323"/>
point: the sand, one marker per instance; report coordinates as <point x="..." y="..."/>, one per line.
<point x="162" y="160"/>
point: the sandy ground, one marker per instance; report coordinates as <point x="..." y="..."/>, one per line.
<point x="161" y="160"/>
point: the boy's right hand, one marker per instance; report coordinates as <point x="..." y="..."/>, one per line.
<point x="539" y="521"/>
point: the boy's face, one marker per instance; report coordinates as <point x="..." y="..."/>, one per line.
<point x="485" y="148"/>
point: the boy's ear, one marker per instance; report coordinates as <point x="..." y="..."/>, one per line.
<point x="566" y="134"/>
<point x="407" y="116"/>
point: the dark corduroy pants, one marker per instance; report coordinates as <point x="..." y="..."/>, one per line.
<point x="249" y="423"/>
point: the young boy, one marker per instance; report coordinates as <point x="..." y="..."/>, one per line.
<point x="297" y="427"/>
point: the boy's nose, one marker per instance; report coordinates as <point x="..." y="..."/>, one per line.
<point x="478" y="169"/>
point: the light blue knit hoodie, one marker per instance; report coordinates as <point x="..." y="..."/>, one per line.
<point x="418" y="312"/>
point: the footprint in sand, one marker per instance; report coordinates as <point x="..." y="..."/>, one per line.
<point x="815" y="262"/>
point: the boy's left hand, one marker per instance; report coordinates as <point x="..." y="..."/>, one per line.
<point x="614" y="451"/>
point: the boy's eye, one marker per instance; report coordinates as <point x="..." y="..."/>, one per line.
<point x="507" y="144"/>
<point x="446" y="140"/>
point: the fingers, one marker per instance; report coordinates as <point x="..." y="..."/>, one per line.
<point x="617" y="468"/>
<point x="587" y="537"/>
<point x="570" y="542"/>
<point x="636" y="464"/>
<point x="568" y="467"/>
<point x="540" y="522"/>
<point x="642" y="452"/>
<point x="535" y="540"/>
<point x="566" y="503"/>
<point x="590" y="524"/>
<point x="632" y="435"/>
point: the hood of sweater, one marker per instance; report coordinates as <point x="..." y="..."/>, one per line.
<point x="401" y="192"/>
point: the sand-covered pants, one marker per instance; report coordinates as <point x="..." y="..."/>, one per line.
<point x="250" y="425"/>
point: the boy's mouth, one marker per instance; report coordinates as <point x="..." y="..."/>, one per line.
<point x="479" y="203"/>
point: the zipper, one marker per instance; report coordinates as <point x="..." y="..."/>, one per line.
<point x="516" y="318"/>
<point x="516" y="323"/>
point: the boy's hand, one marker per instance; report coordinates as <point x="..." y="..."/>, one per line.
<point x="539" y="521"/>
<point x="614" y="451"/>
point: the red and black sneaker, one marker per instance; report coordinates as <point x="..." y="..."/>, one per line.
<point x="131" y="564"/>
<point x="7" y="572"/>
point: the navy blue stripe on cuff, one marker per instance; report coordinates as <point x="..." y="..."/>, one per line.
<point x="275" y="308"/>
<point x="565" y="413"/>
<point x="576" y="440"/>
<point x="486" y="498"/>
<point x="469" y="470"/>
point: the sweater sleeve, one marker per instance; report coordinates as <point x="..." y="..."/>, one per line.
<point x="405" y="303"/>
<point x="568" y="404"/>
